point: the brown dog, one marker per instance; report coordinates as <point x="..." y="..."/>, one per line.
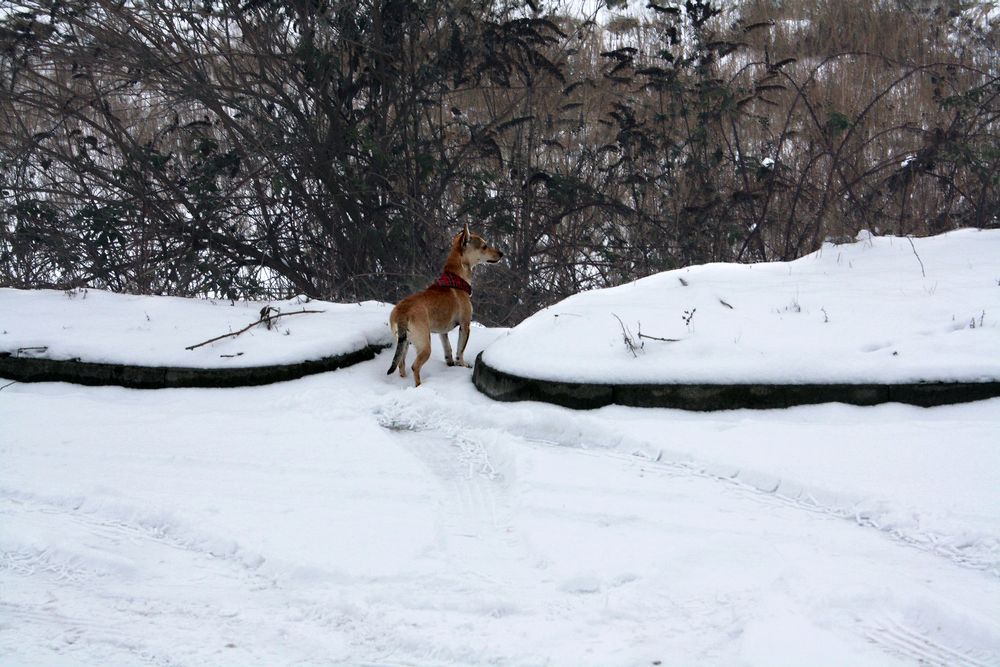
<point x="441" y="307"/>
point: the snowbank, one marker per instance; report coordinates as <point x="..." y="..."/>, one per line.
<point x="101" y="327"/>
<point x="880" y="310"/>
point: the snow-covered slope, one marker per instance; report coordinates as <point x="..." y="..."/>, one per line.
<point x="98" y="326"/>
<point x="877" y="310"/>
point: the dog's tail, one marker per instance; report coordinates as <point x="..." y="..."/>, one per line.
<point x="397" y="358"/>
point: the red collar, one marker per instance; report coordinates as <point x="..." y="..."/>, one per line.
<point x="449" y="279"/>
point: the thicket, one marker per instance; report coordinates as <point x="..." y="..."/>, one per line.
<point x="258" y="148"/>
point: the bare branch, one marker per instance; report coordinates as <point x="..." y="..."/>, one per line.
<point x="266" y="319"/>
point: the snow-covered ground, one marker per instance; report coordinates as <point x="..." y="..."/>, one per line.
<point x="98" y="326"/>
<point x="882" y="309"/>
<point x="350" y="518"/>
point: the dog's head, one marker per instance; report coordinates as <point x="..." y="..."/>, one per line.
<point x="474" y="249"/>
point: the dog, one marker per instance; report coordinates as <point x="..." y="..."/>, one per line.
<point x="441" y="307"/>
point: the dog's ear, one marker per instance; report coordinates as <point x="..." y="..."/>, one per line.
<point x="464" y="236"/>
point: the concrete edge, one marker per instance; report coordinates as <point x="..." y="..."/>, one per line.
<point x="502" y="386"/>
<point x="35" y="369"/>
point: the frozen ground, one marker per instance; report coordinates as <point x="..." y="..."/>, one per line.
<point x="348" y="518"/>
<point x="882" y="309"/>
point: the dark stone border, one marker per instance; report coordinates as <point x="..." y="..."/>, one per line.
<point x="34" y="369"/>
<point x="502" y="386"/>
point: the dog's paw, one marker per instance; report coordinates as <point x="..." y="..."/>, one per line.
<point x="450" y="362"/>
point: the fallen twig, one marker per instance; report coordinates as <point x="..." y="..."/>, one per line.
<point x="268" y="318"/>
<point x="7" y="385"/>
<point x="665" y="340"/>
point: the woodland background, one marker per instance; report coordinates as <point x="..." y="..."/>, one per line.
<point x="258" y="149"/>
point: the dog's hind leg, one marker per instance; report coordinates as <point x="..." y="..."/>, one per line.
<point x="446" y="344"/>
<point x="402" y="359"/>
<point x="463" y="340"/>
<point x="422" y="342"/>
<point x="402" y="345"/>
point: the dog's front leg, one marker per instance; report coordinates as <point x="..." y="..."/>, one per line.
<point x="463" y="339"/>
<point x="446" y="344"/>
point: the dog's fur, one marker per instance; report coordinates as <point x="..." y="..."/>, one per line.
<point x="439" y="309"/>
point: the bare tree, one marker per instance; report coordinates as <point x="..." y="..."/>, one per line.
<point x="262" y="148"/>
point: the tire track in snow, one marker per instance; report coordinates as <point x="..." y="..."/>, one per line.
<point x="555" y="426"/>
<point x="113" y="521"/>
<point x="910" y="641"/>
<point x="82" y="547"/>
<point x="95" y="638"/>
<point x="900" y="639"/>
<point x="476" y="472"/>
<point x="85" y="545"/>
<point x="981" y="553"/>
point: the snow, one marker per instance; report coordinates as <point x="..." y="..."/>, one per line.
<point x="852" y="313"/>
<point x="98" y="326"/>
<point x="350" y="518"/>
